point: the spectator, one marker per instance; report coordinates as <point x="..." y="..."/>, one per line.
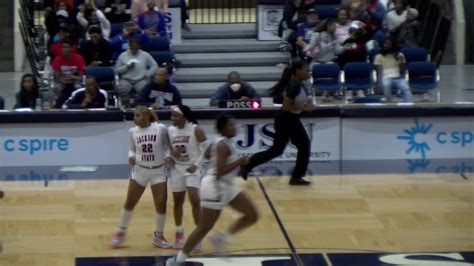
<point x="234" y="89"/>
<point x="64" y="37"/>
<point x="68" y="70"/>
<point x="140" y="6"/>
<point x="118" y="12"/>
<point x="120" y="42"/>
<point x="160" y="92"/>
<point x="342" y="26"/>
<point x="184" y="11"/>
<point x="409" y="31"/>
<point x="396" y="16"/>
<point x="305" y="31"/>
<point x="323" y="46"/>
<point x="29" y="92"/>
<point x="294" y="13"/>
<point x="371" y="13"/>
<point x="354" y="47"/>
<point x="134" y="67"/>
<point x="90" y="15"/>
<point x="97" y="51"/>
<point x="89" y="97"/>
<point x="152" y="22"/>
<point x="391" y="71"/>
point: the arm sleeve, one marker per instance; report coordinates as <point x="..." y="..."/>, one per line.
<point x="120" y="66"/>
<point x="104" y="24"/>
<point x="141" y="22"/>
<point x="74" y="102"/>
<point x="82" y="21"/>
<point x="162" y="26"/>
<point x="131" y="144"/>
<point x="218" y="96"/>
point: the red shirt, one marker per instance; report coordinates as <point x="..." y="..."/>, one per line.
<point x="56" y="49"/>
<point x="69" y="67"/>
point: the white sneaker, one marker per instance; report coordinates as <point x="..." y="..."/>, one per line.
<point x="218" y="243"/>
<point x="173" y="262"/>
<point x="160" y="241"/>
<point x="118" y="239"/>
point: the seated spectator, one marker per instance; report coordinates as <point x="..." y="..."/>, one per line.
<point x="97" y="51"/>
<point x="152" y="22"/>
<point x="372" y="14"/>
<point x="64" y="37"/>
<point x="342" y="26"/>
<point x="135" y="67"/>
<point x="160" y="92"/>
<point x="294" y="13"/>
<point x="306" y="30"/>
<point x="390" y="65"/>
<point x="234" y="89"/>
<point x="354" y="47"/>
<point x="29" y="92"/>
<point x="118" y="12"/>
<point x="120" y="42"/>
<point x="323" y="45"/>
<point x="409" y="31"/>
<point x="89" y="97"/>
<point x="68" y="69"/>
<point x="90" y="15"/>
<point x="395" y="17"/>
<point x="140" y="6"/>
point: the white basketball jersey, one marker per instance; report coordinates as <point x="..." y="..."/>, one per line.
<point x="149" y="144"/>
<point x="184" y="139"/>
<point x="234" y="156"/>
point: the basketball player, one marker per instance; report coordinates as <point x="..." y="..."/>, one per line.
<point x="287" y="123"/>
<point x="147" y="141"/>
<point x="218" y="190"/>
<point x="188" y="143"/>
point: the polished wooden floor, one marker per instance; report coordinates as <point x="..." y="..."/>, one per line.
<point x="52" y="225"/>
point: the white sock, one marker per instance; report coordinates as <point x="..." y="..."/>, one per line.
<point x="181" y="257"/>
<point x="179" y="228"/>
<point x="125" y="217"/>
<point x="160" y="220"/>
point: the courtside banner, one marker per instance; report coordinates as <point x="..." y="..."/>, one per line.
<point x="63" y="144"/>
<point x="408" y="138"/>
<point x="254" y="135"/>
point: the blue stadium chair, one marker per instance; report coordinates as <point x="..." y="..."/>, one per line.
<point x="115" y="29"/>
<point x="373" y="53"/>
<point x="326" y="77"/>
<point x="379" y="37"/>
<point x="423" y="76"/>
<point x="415" y="54"/>
<point x="359" y="76"/>
<point x="105" y="78"/>
<point x="163" y="58"/>
<point x="325" y="12"/>
<point x="157" y="44"/>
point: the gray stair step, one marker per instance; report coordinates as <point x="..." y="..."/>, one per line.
<point x="232" y="59"/>
<point x="225" y="46"/>
<point x="221" y="31"/>
<point x="7" y="66"/>
<point x="219" y="74"/>
<point x="6" y="55"/>
<point x="207" y="89"/>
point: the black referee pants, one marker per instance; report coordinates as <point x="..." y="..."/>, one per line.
<point x="288" y="126"/>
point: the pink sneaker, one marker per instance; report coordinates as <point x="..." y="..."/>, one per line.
<point x="160" y="241"/>
<point x="118" y="239"/>
<point x="179" y="242"/>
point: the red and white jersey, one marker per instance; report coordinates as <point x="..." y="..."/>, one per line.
<point x="148" y="145"/>
<point x="184" y="139"/>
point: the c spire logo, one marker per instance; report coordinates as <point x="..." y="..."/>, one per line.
<point x="415" y="138"/>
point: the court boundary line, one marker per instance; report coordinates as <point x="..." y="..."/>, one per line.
<point x="294" y="253"/>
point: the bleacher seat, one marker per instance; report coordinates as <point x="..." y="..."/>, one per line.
<point x="157" y="44"/>
<point x="326" y="77"/>
<point x="326" y="12"/>
<point x="115" y="29"/>
<point x="423" y="76"/>
<point x="358" y="76"/>
<point x="415" y="54"/>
